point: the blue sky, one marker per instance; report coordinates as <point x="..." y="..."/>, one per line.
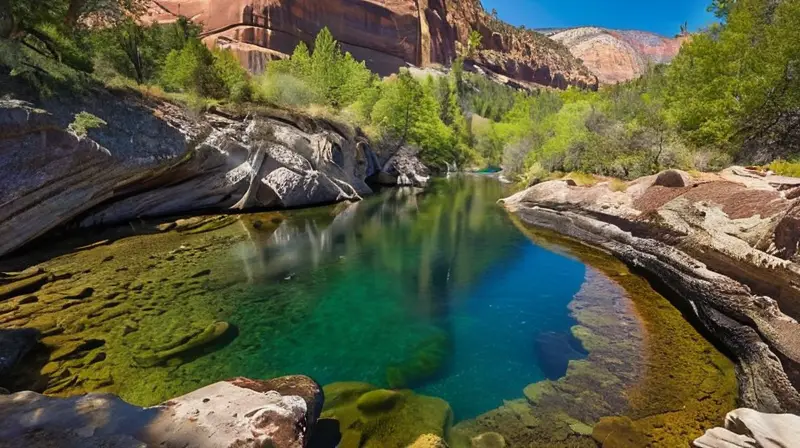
<point x="661" y="16"/>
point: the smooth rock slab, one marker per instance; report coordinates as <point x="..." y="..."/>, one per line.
<point x="746" y="428"/>
<point x="237" y="412"/>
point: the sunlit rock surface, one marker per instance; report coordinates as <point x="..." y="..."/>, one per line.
<point x="280" y="413"/>
<point x="746" y="428"/>
<point x="616" y="56"/>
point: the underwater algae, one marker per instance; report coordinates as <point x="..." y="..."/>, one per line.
<point x="376" y="418"/>
<point x="130" y="315"/>
<point x="651" y="379"/>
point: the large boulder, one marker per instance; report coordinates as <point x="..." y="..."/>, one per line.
<point x="672" y="179"/>
<point x="404" y="169"/>
<point x="238" y="412"/>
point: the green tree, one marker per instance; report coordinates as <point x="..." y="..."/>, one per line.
<point x="474" y="42"/>
<point x="721" y="8"/>
<point x="191" y="70"/>
<point x="737" y="86"/>
<point x="400" y="108"/>
<point x="234" y="77"/>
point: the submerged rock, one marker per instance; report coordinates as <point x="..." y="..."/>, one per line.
<point x="23" y="284"/>
<point x="207" y="336"/>
<point x="489" y="440"/>
<point x="372" y="417"/>
<point x="429" y="441"/>
<point x="239" y="412"/>
<point x="14" y="345"/>
<point x="427" y="359"/>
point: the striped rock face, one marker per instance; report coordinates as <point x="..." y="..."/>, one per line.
<point x="386" y="34"/>
<point x="618" y="56"/>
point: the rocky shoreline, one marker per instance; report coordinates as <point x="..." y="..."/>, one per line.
<point x="673" y="228"/>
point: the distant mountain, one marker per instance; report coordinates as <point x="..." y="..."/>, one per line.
<point x="386" y="34"/>
<point x="616" y="56"/>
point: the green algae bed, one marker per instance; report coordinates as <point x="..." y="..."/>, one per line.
<point x="151" y="314"/>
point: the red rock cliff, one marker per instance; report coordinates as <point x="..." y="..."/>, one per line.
<point x="387" y="34"/>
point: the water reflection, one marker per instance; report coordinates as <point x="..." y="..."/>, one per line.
<point x="436" y="240"/>
<point x="434" y="290"/>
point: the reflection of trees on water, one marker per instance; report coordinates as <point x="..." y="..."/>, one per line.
<point x="433" y="242"/>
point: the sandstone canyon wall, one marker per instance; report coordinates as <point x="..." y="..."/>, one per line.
<point x="618" y="56"/>
<point x="386" y="34"/>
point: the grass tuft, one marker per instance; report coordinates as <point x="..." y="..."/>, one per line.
<point x="582" y="179"/>
<point x="618" y="185"/>
<point x="785" y="168"/>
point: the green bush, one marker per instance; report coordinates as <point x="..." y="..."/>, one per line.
<point x="84" y="121"/>
<point x="785" y="168"/>
<point x="282" y="88"/>
<point x="192" y="70"/>
<point x="235" y="80"/>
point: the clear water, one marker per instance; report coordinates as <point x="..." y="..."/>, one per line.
<point x="436" y="290"/>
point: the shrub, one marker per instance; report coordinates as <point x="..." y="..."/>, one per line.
<point x="282" y="88"/>
<point x="785" y="168"/>
<point x="192" y="70"/>
<point x="617" y="185"/>
<point x="84" y="121"/>
<point x="582" y="179"/>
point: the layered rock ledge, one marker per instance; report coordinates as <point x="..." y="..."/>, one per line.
<point x="153" y="158"/>
<point x="722" y="246"/>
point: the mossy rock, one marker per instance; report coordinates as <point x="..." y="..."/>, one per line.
<point x="426" y="361"/>
<point x="372" y="417"/>
<point x="534" y="392"/>
<point x="345" y="393"/>
<point x="489" y="440"/>
<point x="618" y="432"/>
<point x="590" y="340"/>
<point x="429" y="441"/>
<point x="378" y="401"/>
<point x="209" y="335"/>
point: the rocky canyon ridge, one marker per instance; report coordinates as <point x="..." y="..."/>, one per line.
<point x="388" y="34"/>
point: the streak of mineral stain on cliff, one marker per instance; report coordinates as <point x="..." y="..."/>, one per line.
<point x="386" y="34"/>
